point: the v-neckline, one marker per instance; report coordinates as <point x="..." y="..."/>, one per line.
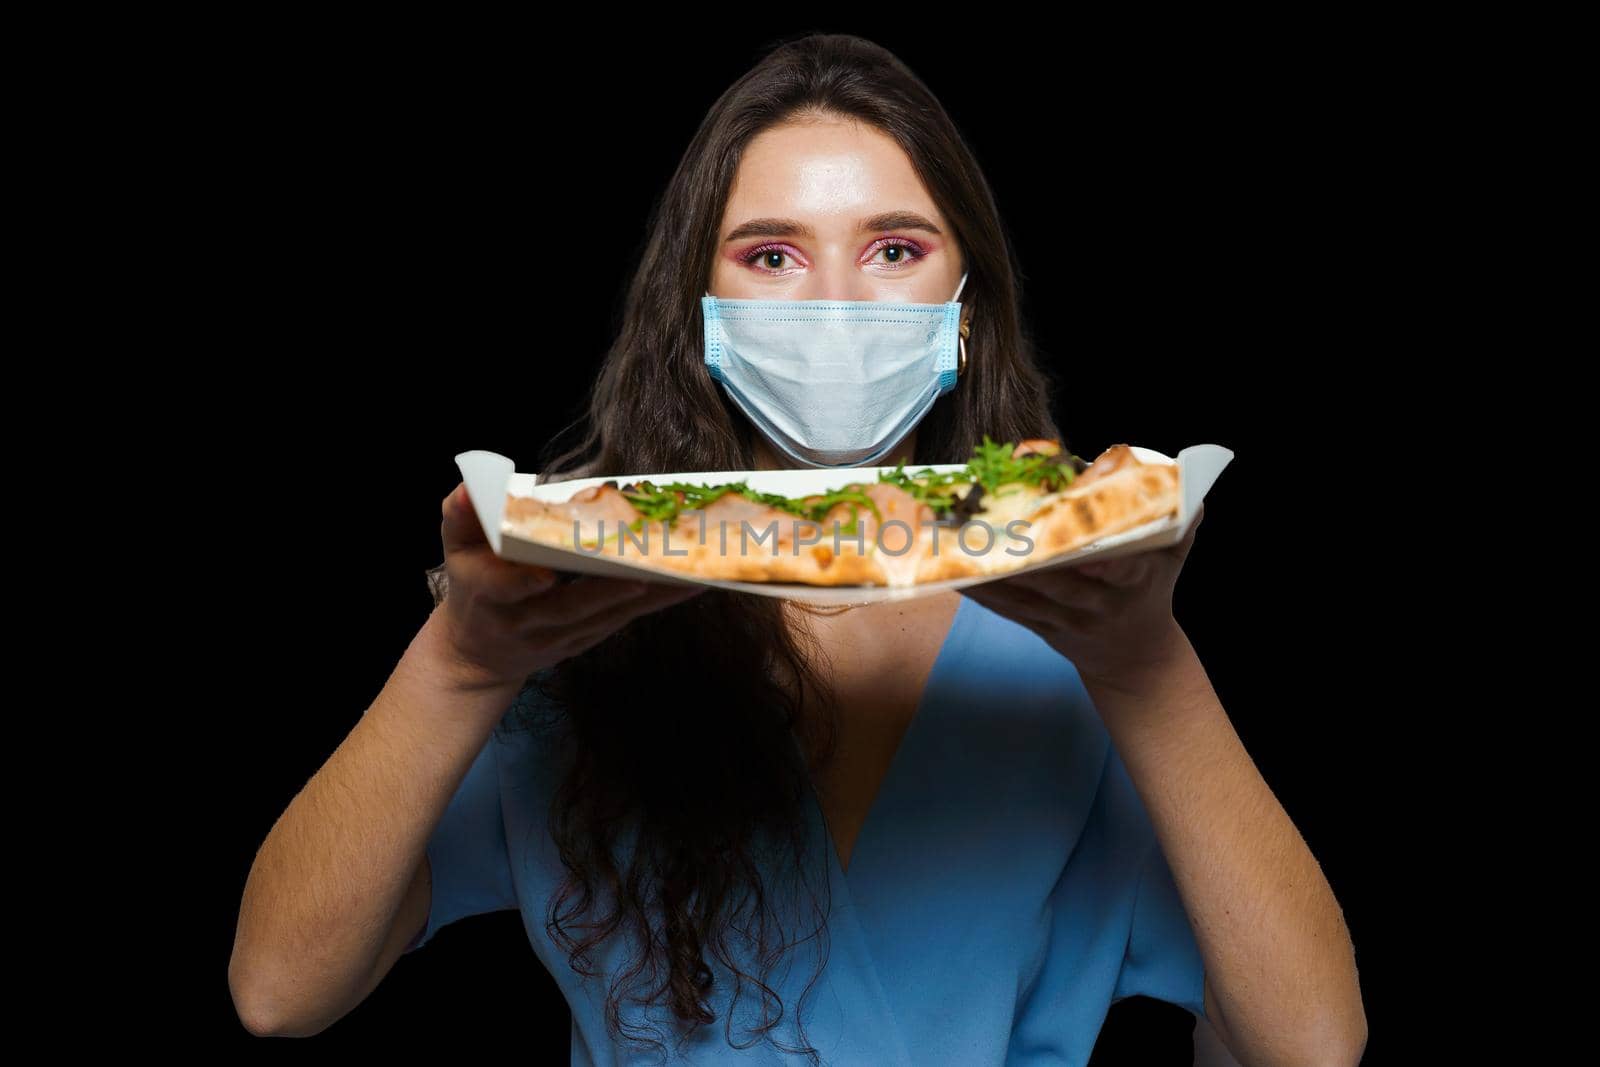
<point x="912" y="730"/>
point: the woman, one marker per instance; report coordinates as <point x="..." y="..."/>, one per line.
<point x="931" y="831"/>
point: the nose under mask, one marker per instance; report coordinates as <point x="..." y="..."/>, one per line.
<point x="833" y="383"/>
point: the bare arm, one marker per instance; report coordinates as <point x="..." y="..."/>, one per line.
<point x="340" y="885"/>
<point x="1281" y="984"/>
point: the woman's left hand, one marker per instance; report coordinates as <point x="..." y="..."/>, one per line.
<point x="1113" y="620"/>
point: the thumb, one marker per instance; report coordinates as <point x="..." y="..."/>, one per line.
<point x="461" y="528"/>
<point x="1180" y="551"/>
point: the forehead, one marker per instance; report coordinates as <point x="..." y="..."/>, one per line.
<point x="829" y="172"/>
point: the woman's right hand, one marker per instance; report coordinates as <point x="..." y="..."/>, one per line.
<point x="504" y="620"/>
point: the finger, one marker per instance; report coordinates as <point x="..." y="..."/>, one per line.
<point x="578" y="636"/>
<point x="1039" y="613"/>
<point x="613" y="604"/>
<point x="497" y="580"/>
<point x="1049" y="593"/>
<point x="510" y="583"/>
<point x="574" y="603"/>
<point x="991" y="598"/>
<point x="980" y="593"/>
<point x="1180" y="551"/>
<point x="1120" y="573"/>
<point x="659" y="595"/>
<point x="460" y="528"/>
<point x="1065" y="584"/>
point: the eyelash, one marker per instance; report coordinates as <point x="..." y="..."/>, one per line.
<point x="913" y="250"/>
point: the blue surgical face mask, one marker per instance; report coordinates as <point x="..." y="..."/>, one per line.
<point x="833" y="383"/>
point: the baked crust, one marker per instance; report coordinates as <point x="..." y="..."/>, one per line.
<point x="1116" y="492"/>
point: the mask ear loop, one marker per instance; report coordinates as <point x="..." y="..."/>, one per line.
<point x="966" y="328"/>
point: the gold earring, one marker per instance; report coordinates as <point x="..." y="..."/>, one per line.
<point x="961" y="368"/>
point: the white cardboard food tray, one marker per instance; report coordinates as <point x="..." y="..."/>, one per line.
<point x="490" y="476"/>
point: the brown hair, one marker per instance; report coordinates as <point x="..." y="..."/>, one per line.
<point x="684" y="725"/>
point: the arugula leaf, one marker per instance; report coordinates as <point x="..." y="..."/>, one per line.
<point x="665" y="503"/>
<point x="991" y="466"/>
<point x="928" y="486"/>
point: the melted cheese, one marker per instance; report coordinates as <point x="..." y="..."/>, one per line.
<point x="1011" y="502"/>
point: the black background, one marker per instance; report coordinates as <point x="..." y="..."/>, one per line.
<point x="410" y="241"/>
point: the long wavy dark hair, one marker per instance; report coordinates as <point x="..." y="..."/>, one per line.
<point x="708" y="785"/>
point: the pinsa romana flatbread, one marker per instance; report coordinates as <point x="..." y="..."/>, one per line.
<point x="1010" y="507"/>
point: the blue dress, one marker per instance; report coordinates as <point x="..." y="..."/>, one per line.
<point x="1006" y="888"/>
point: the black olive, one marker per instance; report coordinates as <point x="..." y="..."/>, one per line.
<point x="969" y="505"/>
<point x="611" y="484"/>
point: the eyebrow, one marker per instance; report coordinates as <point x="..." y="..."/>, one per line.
<point x="888" y="220"/>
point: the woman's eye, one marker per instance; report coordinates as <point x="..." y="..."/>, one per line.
<point x="895" y="253"/>
<point x="767" y="259"/>
<point x="900" y="253"/>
